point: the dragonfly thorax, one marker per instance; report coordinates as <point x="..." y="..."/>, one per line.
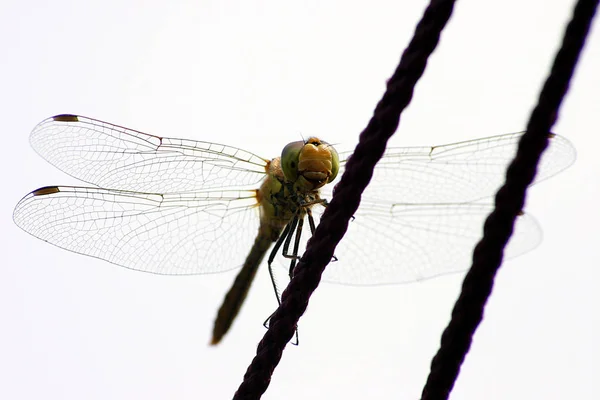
<point x="280" y="199"/>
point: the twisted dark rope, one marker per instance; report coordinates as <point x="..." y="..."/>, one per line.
<point x="477" y="286"/>
<point x="346" y="199"/>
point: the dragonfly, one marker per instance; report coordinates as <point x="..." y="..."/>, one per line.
<point x="183" y="207"/>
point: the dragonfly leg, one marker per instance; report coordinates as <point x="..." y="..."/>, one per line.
<point x="285" y="237"/>
<point x="288" y="239"/>
<point x="295" y="341"/>
<point x="273" y="254"/>
<point x="266" y="323"/>
<point x="325" y="203"/>
<point x="322" y="202"/>
<point x="311" y="222"/>
<point x="294" y="256"/>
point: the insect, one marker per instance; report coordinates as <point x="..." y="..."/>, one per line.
<point x="182" y="207"/>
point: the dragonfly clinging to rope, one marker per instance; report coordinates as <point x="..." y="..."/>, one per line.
<point x="181" y="207"/>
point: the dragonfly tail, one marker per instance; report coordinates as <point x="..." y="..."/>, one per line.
<point x="237" y="294"/>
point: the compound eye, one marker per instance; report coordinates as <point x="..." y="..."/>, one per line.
<point x="289" y="160"/>
<point x="335" y="163"/>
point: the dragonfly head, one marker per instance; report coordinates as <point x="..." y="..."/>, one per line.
<point x="311" y="164"/>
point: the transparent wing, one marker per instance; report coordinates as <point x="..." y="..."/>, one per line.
<point x="455" y="173"/>
<point x="173" y="234"/>
<point x="391" y="244"/>
<point x="405" y="243"/>
<point x="115" y="157"/>
<point x="417" y="217"/>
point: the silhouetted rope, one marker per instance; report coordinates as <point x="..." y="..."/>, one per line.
<point x="477" y="286"/>
<point x="346" y="198"/>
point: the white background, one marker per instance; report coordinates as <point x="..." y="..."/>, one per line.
<point x="258" y="75"/>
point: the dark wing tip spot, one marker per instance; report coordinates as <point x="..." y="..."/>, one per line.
<point x="66" y="118"/>
<point x="45" y="190"/>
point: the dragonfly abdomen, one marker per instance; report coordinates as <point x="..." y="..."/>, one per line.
<point x="237" y="294"/>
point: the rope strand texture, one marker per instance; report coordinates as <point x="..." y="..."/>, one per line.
<point x="477" y="286"/>
<point x="346" y="199"/>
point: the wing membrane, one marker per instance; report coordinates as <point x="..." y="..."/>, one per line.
<point x="172" y="234"/>
<point x="419" y="218"/>
<point x="388" y="244"/>
<point x="111" y="156"/>
<point x="456" y="173"/>
<point x="170" y="206"/>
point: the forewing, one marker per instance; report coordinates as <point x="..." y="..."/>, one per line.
<point x="173" y="234"/>
<point x="111" y="156"/>
<point x="455" y="173"/>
